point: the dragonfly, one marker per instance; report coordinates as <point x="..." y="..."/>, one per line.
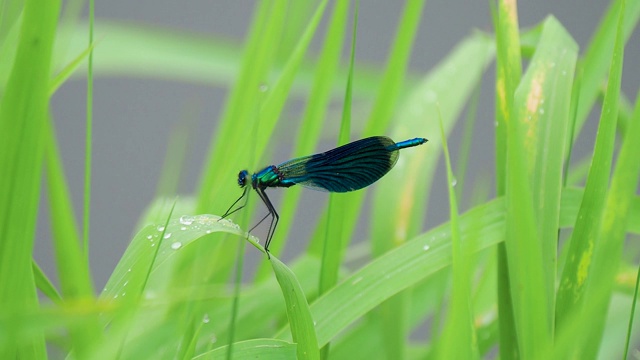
<point x="349" y="167"/>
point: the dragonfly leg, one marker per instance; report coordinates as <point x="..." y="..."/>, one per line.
<point x="259" y="222"/>
<point x="229" y="211"/>
<point x="274" y="219"/>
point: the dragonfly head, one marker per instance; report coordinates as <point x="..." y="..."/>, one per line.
<point x="242" y="178"/>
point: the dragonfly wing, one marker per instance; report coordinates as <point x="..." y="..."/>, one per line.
<point x="346" y="168"/>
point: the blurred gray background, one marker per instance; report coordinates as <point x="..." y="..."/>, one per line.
<point x="133" y="117"/>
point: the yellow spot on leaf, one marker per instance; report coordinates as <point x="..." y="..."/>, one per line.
<point x="583" y="266"/>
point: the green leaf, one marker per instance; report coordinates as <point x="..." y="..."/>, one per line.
<point x="300" y="321"/>
<point x="72" y="263"/>
<point x="576" y="274"/>
<point x="458" y="339"/>
<point x="508" y="73"/>
<point x="608" y="253"/>
<point x="597" y="57"/>
<point x="419" y="259"/>
<point x="400" y="268"/>
<point x="23" y="113"/>
<point x="541" y="118"/>
<point x="179" y="234"/>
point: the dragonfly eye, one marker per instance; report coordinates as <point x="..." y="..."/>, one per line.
<point x="242" y="178"/>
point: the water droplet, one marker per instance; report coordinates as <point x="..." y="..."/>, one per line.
<point x="176" y="245"/>
<point x="213" y="339"/>
<point x="425" y="248"/>
<point x="263" y="87"/>
<point x="541" y="111"/>
<point x="186" y="220"/>
<point x="152" y="245"/>
<point x="208" y="231"/>
<point x="150" y="237"/>
<point x="167" y="235"/>
<point x="125" y="283"/>
<point x="454" y="182"/>
<point x="183" y="228"/>
<point x="160" y="228"/>
<point x="124" y="293"/>
<point x="206" y="319"/>
<point x="564" y="72"/>
<point x="496" y="123"/>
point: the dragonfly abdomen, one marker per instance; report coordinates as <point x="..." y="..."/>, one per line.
<point x="410" y="143"/>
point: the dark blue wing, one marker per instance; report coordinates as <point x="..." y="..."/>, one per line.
<point x="346" y="168"/>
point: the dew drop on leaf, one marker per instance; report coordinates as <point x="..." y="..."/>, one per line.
<point x="186" y="220"/>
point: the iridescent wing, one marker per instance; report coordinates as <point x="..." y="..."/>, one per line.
<point x="349" y="167"/>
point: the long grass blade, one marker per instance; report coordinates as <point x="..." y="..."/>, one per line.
<point x="88" y="144"/>
<point x="584" y="241"/>
<point x="465" y="144"/>
<point x="542" y="110"/>
<point x="333" y="249"/>
<point x="597" y="58"/>
<point x="508" y="73"/>
<point x="458" y="339"/>
<point x="23" y="113"/>
<point x="632" y="314"/>
<point x="608" y="252"/>
<point x="300" y="319"/>
<point x="71" y="260"/>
